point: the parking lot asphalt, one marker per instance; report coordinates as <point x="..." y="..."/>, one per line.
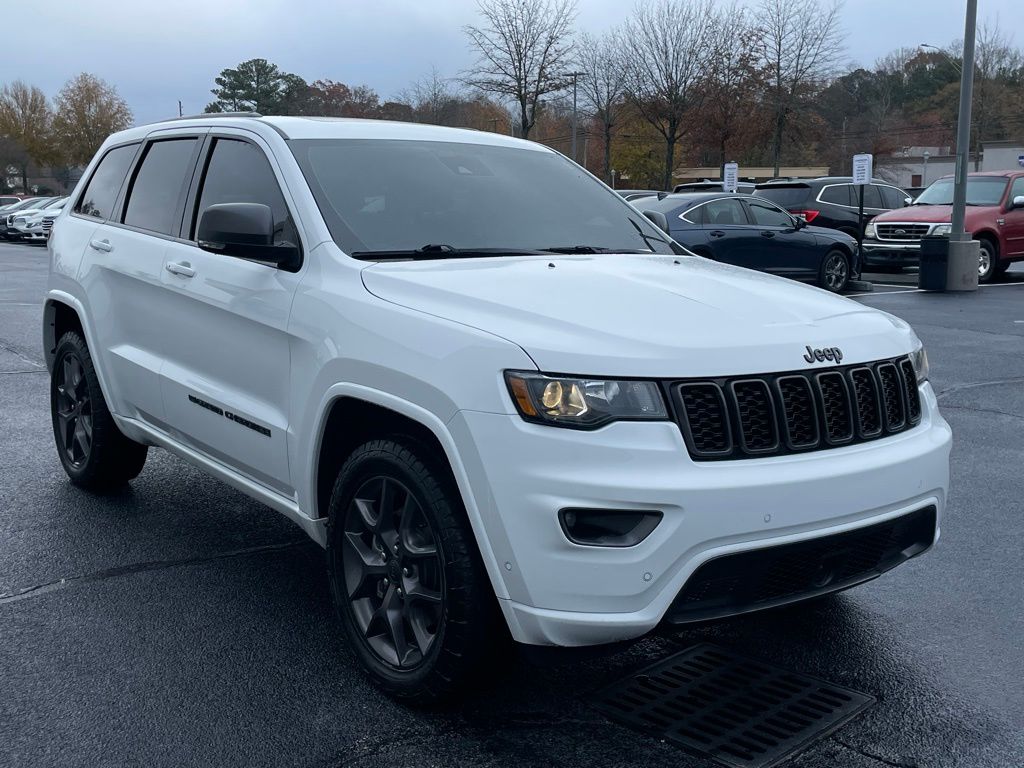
<point x="178" y="623"/>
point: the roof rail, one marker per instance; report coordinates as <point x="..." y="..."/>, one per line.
<point x="205" y="115"/>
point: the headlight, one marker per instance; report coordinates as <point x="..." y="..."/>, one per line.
<point x="942" y="229"/>
<point x="584" y="403"/>
<point x="869" y="231"/>
<point x="920" y="360"/>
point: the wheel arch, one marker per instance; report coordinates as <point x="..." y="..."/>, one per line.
<point x="59" y="317"/>
<point x="351" y="414"/>
<point x="991" y="238"/>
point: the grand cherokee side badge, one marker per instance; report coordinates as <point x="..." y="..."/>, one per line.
<point x="827" y="353"/>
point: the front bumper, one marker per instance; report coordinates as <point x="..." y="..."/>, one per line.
<point x="560" y="593"/>
<point x="877" y="253"/>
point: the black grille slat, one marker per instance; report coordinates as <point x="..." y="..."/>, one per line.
<point x="867" y="406"/>
<point x="707" y="419"/>
<point x="892" y="397"/>
<point x="911" y="391"/>
<point x="835" y="407"/>
<point x="780" y="413"/>
<point x="800" y="415"/>
<point x="755" y="415"/>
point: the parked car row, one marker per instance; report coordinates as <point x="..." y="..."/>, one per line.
<point x="30" y="219"/>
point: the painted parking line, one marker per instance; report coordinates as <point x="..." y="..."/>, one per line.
<point x="921" y="290"/>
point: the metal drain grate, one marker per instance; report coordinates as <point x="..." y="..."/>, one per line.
<point x="741" y="712"/>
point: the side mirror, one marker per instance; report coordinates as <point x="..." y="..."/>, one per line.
<point x="799" y="222"/>
<point x="1018" y="202"/>
<point x="245" y="231"/>
<point x="908" y="201"/>
<point x="658" y="219"/>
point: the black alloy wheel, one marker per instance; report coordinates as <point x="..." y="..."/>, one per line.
<point x="393" y="572"/>
<point x="835" y="271"/>
<point x="73" y="411"/>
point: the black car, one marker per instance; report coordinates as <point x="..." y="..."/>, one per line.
<point x="752" y="232"/>
<point x="832" y="201"/>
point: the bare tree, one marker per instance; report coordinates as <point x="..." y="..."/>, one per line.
<point x="734" y="82"/>
<point x="801" y="43"/>
<point x="524" y="49"/>
<point x="996" y="63"/>
<point x="433" y="99"/>
<point x="665" y="57"/>
<point x="87" y="111"/>
<point x="26" y="119"/>
<point x="602" y="85"/>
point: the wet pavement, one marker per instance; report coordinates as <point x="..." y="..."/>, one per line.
<point x="179" y="623"/>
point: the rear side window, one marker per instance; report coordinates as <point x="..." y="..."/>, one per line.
<point x="238" y="172"/>
<point x="101" y="192"/>
<point x="838" y="194"/>
<point x="786" y="196"/>
<point x="726" y="211"/>
<point x="160" y="183"/>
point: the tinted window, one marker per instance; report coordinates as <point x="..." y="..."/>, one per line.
<point x="101" y="192"/>
<point x="892" y="197"/>
<point x="724" y="212"/>
<point x="380" y="195"/>
<point x="159" y="184"/>
<point x="872" y="197"/>
<point x="695" y="215"/>
<point x="788" y="196"/>
<point x="767" y="215"/>
<point x="837" y="194"/>
<point x="238" y="172"/>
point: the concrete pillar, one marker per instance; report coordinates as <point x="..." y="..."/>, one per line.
<point x="962" y="267"/>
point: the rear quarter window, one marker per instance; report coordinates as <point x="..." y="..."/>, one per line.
<point x="837" y="194"/>
<point x="100" y="194"/>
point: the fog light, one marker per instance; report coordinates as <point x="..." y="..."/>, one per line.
<point x="608" y="527"/>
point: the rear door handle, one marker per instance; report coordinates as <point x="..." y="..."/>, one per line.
<point x="717" y="233"/>
<point x="184" y="269"/>
<point x="767" y="233"/>
<point x="101" y="245"/>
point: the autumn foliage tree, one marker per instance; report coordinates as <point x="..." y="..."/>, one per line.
<point x="26" y="121"/>
<point x="87" y="111"/>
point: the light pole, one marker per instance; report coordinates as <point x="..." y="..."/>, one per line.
<point x="948" y="58"/>
<point x="924" y="173"/>
<point x="574" y="76"/>
<point x="963" y="127"/>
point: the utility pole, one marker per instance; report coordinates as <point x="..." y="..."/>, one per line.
<point x="180" y="112"/>
<point x="963" y="127"/>
<point x="574" y="75"/>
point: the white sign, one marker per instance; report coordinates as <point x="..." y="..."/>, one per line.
<point x="862" y="167"/>
<point x="731" y="177"/>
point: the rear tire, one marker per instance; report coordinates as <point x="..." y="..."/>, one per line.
<point x="834" y="273"/>
<point x="95" y="454"/>
<point x="405" y="575"/>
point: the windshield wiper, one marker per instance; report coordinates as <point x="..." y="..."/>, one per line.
<point x="441" y="251"/>
<point x="588" y="249"/>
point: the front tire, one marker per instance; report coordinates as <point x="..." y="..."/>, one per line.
<point x="95" y="454"/>
<point x="988" y="264"/>
<point x="834" y="273"/>
<point x="405" y="576"/>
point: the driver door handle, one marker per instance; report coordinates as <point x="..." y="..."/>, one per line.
<point x="767" y="233"/>
<point x="717" y="233"/>
<point x="101" y="245"/>
<point x="184" y="269"/>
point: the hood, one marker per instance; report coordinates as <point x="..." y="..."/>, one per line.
<point x="829" y="235"/>
<point x="924" y="214"/>
<point x="649" y="316"/>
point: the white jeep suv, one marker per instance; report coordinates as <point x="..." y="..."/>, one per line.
<point x="503" y="400"/>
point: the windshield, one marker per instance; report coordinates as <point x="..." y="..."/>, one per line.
<point x="981" y="190"/>
<point x="392" y="195"/>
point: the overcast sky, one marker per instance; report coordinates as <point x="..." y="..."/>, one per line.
<point x="158" y="52"/>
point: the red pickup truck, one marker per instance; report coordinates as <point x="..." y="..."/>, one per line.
<point x="995" y="218"/>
